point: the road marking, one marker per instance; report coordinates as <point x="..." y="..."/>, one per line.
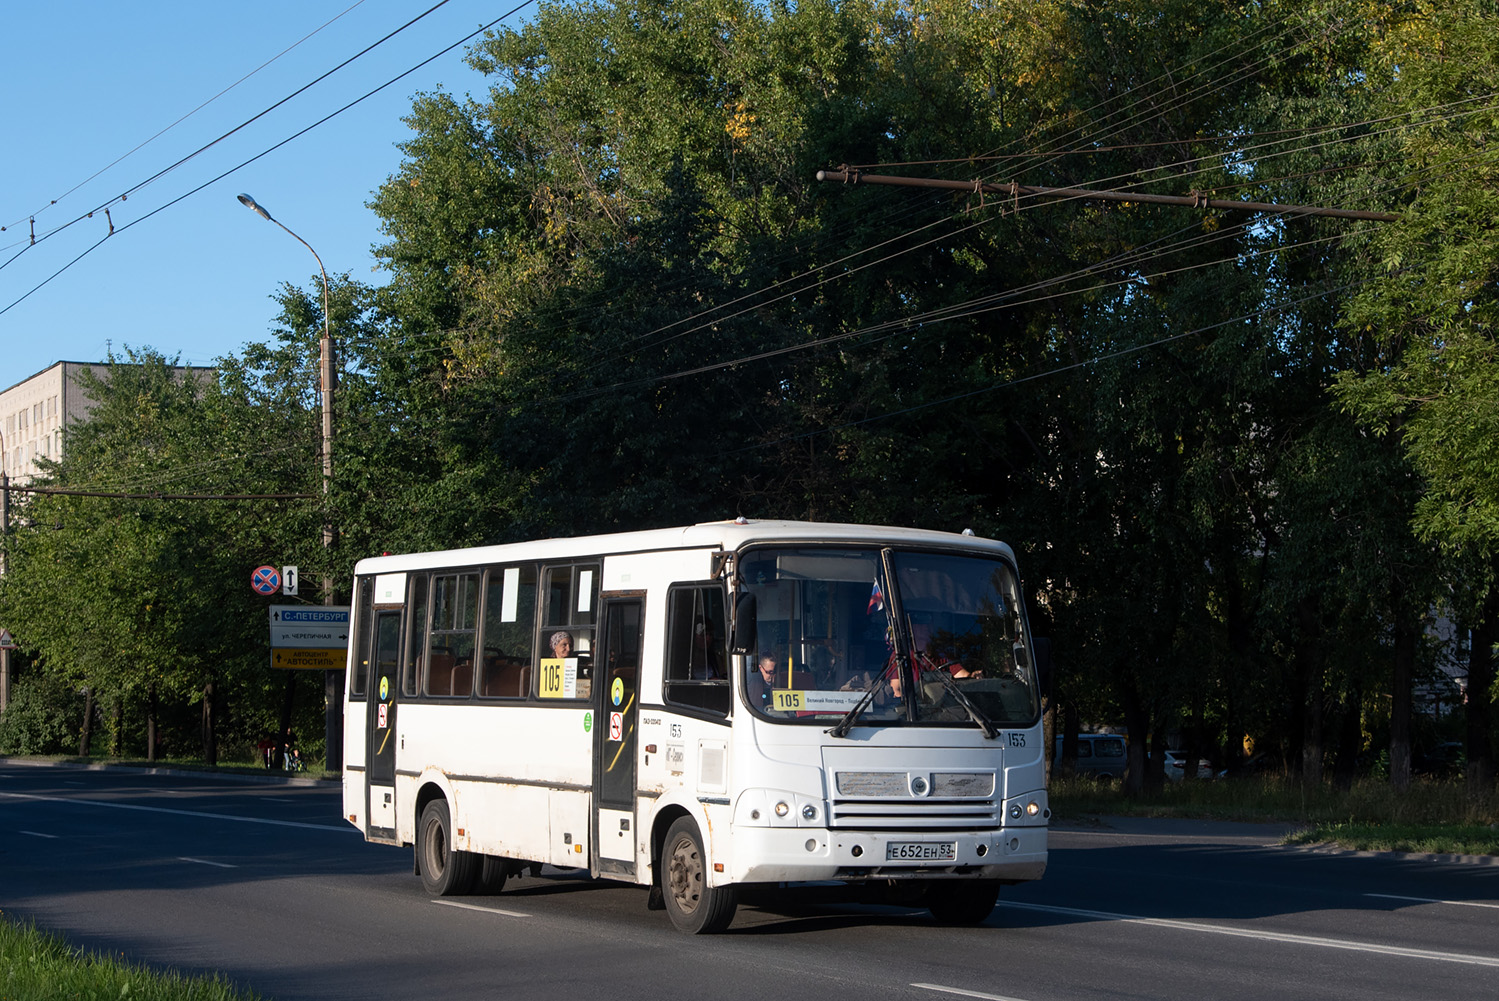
<point x="486" y="910"/>
<point x="966" y="994"/>
<point x="1266" y="936"/>
<point x="204" y="861"/>
<point x="180" y="813"/>
<point x="1430" y="900"/>
<point x="39" y="834"/>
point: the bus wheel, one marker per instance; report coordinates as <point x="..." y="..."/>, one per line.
<point x="693" y="906"/>
<point x="446" y="872"/>
<point x="493" y="869"/>
<point x="962" y="902"/>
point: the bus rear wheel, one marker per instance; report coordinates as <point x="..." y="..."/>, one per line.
<point x="962" y="902"/>
<point x="693" y="906"/>
<point x="446" y="872"/>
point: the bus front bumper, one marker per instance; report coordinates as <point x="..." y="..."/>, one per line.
<point x="776" y="855"/>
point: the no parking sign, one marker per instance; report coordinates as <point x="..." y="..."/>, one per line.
<point x="265" y="580"/>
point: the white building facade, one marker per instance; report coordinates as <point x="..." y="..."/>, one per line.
<point x="33" y="413"/>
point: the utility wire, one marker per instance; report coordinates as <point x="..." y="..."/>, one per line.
<point x="138" y="147"/>
<point x="268" y="151"/>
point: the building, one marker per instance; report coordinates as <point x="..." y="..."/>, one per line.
<point x="34" y="411"/>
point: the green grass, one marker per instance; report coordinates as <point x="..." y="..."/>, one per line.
<point x="1431" y="816"/>
<point x="39" y="967"/>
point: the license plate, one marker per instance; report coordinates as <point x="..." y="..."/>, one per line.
<point x="942" y="851"/>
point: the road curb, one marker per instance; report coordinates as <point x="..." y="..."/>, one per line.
<point x="271" y="778"/>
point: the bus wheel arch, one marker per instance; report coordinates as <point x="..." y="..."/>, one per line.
<point x="694" y="906"/>
<point x="445" y="870"/>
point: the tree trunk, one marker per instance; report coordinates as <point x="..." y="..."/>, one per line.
<point x="151" y="711"/>
<point x="117" y="734"/>
<point x="1400" y="693"/>
<point x="1137" y="722"/>
<point x="210" y="741"/>
<point x="1480" y="736"/>
<point x="1350" y="740"/>
<point x="86" y="734"/>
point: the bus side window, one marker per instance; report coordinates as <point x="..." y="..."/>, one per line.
<point x="450" y="642"/>
<point x="364" y="636"/>
<point x="696" y="649"/>
<point x="416" y="633"/>
<point x="572" y="605"/>
<point x="509" y="632"/>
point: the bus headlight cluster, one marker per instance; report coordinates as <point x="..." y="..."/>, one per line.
<point x="779" y="808"/>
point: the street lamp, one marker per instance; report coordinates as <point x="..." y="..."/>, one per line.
<point x="333" y="680"/>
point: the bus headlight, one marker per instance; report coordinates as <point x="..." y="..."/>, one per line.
<point x="809" y="812"/>
<point x="782" y="809"/>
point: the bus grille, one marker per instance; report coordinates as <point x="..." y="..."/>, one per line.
<point x="914" y="800"/>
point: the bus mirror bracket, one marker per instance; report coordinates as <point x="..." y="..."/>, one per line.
<point x="742" y="636"/>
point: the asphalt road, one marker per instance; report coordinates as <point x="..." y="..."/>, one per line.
<point x="264" y="883"/>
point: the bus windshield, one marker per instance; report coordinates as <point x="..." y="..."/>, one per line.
<point x="885" y="636"/>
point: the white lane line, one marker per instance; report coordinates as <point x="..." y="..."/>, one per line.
<point x="39" y="834"/>
<point x="1266" y="936"/>
<point x="204" y="861"/>
<point x="963" y="993"/>
<point x="486" y="910"/>
<point x="180" y="813"/>
<point x="1430" y="900"/>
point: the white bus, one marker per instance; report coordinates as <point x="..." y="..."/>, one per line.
<point x="699" y="708"/>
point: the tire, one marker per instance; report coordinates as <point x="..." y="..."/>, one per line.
<point x="493" y="871"/>
<point x="965" y="902"/>
<point x="693" y="906"/>
<point x="446" y="872"/>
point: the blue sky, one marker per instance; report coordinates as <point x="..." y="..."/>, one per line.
<point x="87" y="82"/>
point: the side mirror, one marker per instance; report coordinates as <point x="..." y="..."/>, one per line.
<point x="744" y="630"/>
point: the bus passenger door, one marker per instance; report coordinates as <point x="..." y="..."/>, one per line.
<point x="380" y="758"/>
<point x="616" y="675"/>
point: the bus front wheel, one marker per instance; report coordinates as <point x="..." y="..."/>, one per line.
<point x="446" y="871"/>
<point x="962" y="902"/>
<point x="693" y="906"/>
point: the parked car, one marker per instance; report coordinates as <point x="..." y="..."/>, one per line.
<point x="1100" y="756"/>
<point x="1176" y="766"/>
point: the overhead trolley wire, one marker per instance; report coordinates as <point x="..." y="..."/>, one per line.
<point x="265" y="152"/>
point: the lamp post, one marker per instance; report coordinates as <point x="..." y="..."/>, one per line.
<point x="333" y="680"/>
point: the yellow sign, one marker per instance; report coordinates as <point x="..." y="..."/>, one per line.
<point x="787" y="701"/>
<point x="310" y="660"/>
<point x="559" y="678"/>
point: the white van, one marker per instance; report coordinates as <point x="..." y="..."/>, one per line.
<point x="1099" y="756"/>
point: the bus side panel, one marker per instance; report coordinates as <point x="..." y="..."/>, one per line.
<point x="519" y="776"/>
<point x="354" y="774"/>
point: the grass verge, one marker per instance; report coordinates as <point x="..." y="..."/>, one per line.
<point x="1430" y="817"/>
<point x="38" y="967"/>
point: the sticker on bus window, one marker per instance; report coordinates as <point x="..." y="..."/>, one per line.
<point x="559" y="678"/>
<point x="510" y="594"/>
<point x="784" y="700"/>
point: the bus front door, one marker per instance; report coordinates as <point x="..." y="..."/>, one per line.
<point x="381" y="749"/>
<point x="616" y="680"/>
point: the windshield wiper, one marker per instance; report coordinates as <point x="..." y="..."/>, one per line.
<point x="951" y="684"/>
<point x="847" y="722"/>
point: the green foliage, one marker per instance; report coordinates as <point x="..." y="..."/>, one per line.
<point x="43" y="717"/>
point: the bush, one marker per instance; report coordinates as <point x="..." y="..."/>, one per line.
<point x="44" y="717"/>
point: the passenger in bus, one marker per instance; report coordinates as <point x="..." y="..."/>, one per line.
<point x="705" y="663"/>
<point x="562" y="644"/>
<point x="762" y="679"/>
